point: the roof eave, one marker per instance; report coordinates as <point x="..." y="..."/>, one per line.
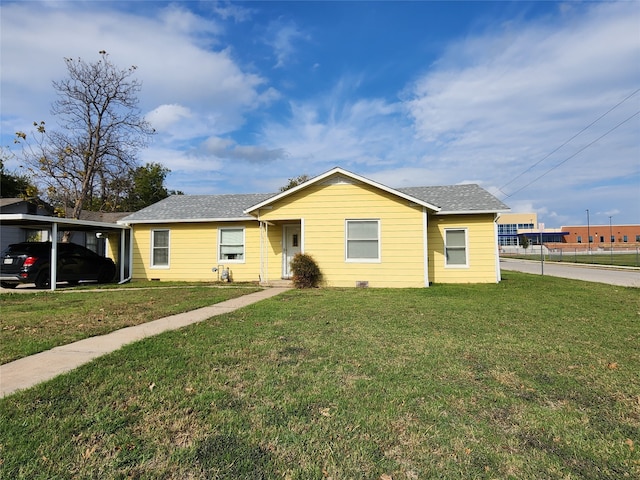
<point x="70" y="222"/>
<point x="187" y="220"/>
<point x="471" y="212"/>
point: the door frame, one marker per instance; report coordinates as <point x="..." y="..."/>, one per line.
<point x="290" y="229"/>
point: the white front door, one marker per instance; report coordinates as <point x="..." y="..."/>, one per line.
<point x="292" y="245"/>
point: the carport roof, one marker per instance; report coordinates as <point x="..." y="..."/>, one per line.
<point x="40" y="221"/>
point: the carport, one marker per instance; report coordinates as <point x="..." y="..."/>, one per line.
<point x="56" y="224"/>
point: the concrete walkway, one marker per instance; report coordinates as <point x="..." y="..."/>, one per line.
<point x="29" y="371"/>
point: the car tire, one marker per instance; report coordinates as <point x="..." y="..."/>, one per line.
<point x="8" y="285"/>
<point x="107" y="273"/>
<point x="43" y="280"/>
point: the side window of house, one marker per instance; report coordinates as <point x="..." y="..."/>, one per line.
<point x="160" y="248"/>
<point x="362" y="240"/>
<point x="455" y="247"/>
<point x="231" y="245"/>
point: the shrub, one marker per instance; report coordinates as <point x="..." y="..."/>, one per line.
<point x="306" y="273"/>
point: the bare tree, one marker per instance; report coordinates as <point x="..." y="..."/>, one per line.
<point x="101" y="130"/>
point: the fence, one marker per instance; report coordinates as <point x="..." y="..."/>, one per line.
<point x="629" y="257"/>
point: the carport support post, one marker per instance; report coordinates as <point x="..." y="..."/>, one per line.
<point x="54" y="256"/>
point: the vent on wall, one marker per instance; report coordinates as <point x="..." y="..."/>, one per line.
<point x="362" y="283"/>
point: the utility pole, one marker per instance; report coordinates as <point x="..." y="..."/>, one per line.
<point x="588" y="235"/>
<point x="611" y="240"/>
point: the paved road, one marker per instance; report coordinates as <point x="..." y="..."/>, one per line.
<point x="589" y="273"/>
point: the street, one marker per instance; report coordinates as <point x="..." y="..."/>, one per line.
<point x="589" y="273"/>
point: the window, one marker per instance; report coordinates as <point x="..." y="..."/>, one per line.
<point x="362" y="240"/>
<point x="231" y="245"/>
<point x="579" y="238"/>
<point x="613" y="238"/>
<point x="637" y="238"/>
<point x="625" y="239"/>
<point x="160" y="248"/>
<point x="455" y="247"/>
<point x="590" y="238"/>
<point x="601" y="238"/>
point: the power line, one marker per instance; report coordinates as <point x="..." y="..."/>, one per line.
<point x="558" y="148"/>
<point x="576" y="153"/>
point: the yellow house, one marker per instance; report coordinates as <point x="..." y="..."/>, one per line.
<point x="360" y="233"/>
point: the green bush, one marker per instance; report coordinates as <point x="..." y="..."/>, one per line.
<point x="306" y="273"/>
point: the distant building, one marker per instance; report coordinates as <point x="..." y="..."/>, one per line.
<point x="509" y="224"/>
<point x="602" y="236"/>
<point x="513" y="226"/>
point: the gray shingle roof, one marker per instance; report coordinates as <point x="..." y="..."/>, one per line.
<point x="457" y="198"/>
<point x="451" y="199"/>
<point x="198" y="208"/>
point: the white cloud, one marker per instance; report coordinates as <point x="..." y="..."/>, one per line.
<point x="498" y="104"/>
<point x="165" y="116"/>
<point x="171" y="50"/>
<point x="225" y="148"/>
<point x="282" y="36"/>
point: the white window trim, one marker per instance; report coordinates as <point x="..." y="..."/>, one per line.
<point x="244" y="246"/>
<point x="466" y="247"/>
<point x="153" y="235"/>
<point x="346" y="241"/>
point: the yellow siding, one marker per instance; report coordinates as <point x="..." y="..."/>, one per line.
<point x="192" y="252"/>
<point x="324" y="210"/>
<point x="113" y="247"/>
<point x="481" y="247"/>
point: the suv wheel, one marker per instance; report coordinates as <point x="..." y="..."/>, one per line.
<point x="43" y="280"/>
<point x="107" y="274"/>
<point x="8" y="285"/>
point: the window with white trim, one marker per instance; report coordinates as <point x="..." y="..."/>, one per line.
<point x="455" y="247"/>
<point x="160" y="248"/>
<point x="231" y="245"/>
<point x="362" y="240"/>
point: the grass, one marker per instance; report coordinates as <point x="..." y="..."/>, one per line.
<point x="536" y="377"/>
<point x="34" y="322"/>
<point x="618" y="259"/>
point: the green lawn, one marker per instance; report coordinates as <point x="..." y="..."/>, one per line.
<point x="34" y="322"/>
<point x="535" y="377"/>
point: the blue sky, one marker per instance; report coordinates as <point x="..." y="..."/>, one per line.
<point x="245" y="95"/>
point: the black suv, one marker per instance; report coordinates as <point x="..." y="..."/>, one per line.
<point x="30" y="262"/>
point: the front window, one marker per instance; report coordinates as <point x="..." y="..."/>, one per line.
<point x="456" y="247"/>
<point x="363" y="240"/>
<point x="160" y="248"/>
<point x="231" y="245"/>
